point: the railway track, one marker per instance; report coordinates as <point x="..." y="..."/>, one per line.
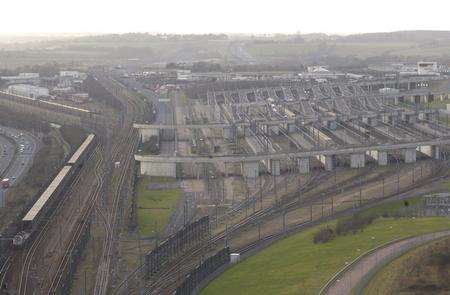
<point x="436" y="176"/>
<point x="265" y="190"/>
<point x="172" y="271"/>
<point x="102" y="278"/>
<point x="4" y="270"/>
<point x="42" y="234"/>
<point x="167" y="279"/>
<point x="82" y="224"/>
<point x="183" y="263"/>
<point x="126" y="142"/>
<point x="76" y="221"/>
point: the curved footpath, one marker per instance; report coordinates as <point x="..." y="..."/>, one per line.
<point x="355" y="273"/>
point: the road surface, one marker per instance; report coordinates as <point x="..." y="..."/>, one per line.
<point x="18" y="151"/>
<point x="350" y="277"/>
<point x="7" y="152"/>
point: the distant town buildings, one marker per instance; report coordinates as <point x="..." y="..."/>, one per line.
<point x="317" y="69"/>
<point x="68" y="85"/>
<point x="427" y="68"/>
<point x="22" y="78"/>
<point x="184" y="75"/>
<point x="30" y="91"/>
<point x="421" y="68"/>
<point x="72" y="75"/>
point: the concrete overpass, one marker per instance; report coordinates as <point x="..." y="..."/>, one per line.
<point x="220" y="125"/>
<point x="165" y="165"/>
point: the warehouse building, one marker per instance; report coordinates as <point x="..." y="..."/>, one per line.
<point x="28" y="91"/>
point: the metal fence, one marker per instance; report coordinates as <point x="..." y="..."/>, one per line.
<point x="173" y="246"/>
<point x="66" y="278"/>
<point x="202" y="271"/>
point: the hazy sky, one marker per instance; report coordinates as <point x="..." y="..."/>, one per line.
<point x="230" y="16"/>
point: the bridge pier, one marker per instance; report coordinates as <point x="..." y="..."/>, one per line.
<point x="415" y="99"/>
<point x="389" y="119"/>
<point x="275" y="129"/>
<point x="274" y="167"/>
<point x="431" y="151"/>
<point x="246" y="130"/>
<point x="217" y="114"/>
<point x="330" y="124"/>
<point x="291" y="127"/>
<point x="159" y="169"/>
<point x="437" y="152"/>
<point x="409" y="118"/>
<point x="399" y="99"/>
<point x="409" y="155"/>
<point x="380" y="156"/>
<point x="327" y="161"/>
<point x="250" y="169"/>
<point x="147" y="133"/>
<point x="229" y="133"/>
<point x="357" y="160"/>
<point x="428" y="116"/>
<point x="303" y="165"/>
<point x="428" y="98"/>
<point x="371" y="121"/>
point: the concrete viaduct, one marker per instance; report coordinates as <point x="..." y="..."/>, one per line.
<point x="165" y="165"/>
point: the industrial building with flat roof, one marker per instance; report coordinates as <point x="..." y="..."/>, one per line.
<point x="28" y="90"/>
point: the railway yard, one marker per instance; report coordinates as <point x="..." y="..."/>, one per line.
<point x="255" y="162"/>
<point x="221" y="148"/>
<point x="274" y="161"/>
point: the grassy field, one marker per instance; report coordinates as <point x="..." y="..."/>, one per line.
<point x="298" y="266"/>
<point x="424" y="268"/>
<point x="155" y="206"/>
<point x="391" y="209"/>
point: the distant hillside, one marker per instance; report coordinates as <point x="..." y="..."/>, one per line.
<point x="148" y="37"/>
<point x="297" y="50"/>
<point x="357" y="50"/>
<point x="402" y="36"/>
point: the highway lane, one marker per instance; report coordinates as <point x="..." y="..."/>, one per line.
<point x="8" y="150"/>
<point x="18" y="157"/>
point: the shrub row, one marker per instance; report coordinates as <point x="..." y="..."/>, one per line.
<point x="354" y="224"/>
<point x="344" y="226"/>
<point x="324" y="235"/>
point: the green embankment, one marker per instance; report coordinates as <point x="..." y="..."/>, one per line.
<point x="296" y="265"/>
<point x="391" y="209"/>
<point x="155" y="206"/>
<point x="421" y="270"/>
